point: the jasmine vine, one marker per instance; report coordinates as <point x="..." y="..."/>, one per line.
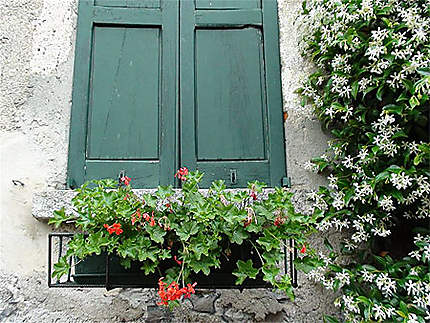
<point x="370" y="89"/>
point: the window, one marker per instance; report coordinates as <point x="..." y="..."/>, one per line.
<point x="163" y="84"/>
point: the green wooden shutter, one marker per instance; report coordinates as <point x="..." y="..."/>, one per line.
<point x="125" y="113"/>
<point x="124" y="92"/>
<point x="230" y="92"/>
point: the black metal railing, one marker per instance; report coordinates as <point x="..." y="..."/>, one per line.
<point x="108" y="277"/>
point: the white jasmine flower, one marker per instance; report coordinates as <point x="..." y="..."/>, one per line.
<point x="368" y="276"/>
<point x="387" y="203"/>
<point x="385" y="284"/>
<point x="350" y="246"/>
<point x="350" y="304"/>
<point x="323" y="225"/>
<point x="310" y="166"/>
<point x="332" y="179"/>
<point x="426" y="252"/>
<point x="401" y="181"/>
<point x="412" y="318"/>
<point x="378" y="312"/>
<point x="413" y="288"/>
<point x="338" y="202"/>
<point x="348" y="162"/>
<point x="328" y="284"/>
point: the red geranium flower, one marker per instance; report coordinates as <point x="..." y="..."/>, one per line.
<point x="177" y="261"/>
<point x="116" y="227"/>
<point x="182" y="173"/>
<point x="126" y="180"/>
<point x="152" y="223"/>
<point x="173" y="291"/>
<point x="136" y="216"/>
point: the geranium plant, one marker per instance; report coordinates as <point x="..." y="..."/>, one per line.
<point x="194" y="228"/>
<point x="370" y="89"/>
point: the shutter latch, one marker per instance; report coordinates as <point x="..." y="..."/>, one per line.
<point x="286" y="181"/>
<point x="121" y="175"/>
<point x="233" y="176"/>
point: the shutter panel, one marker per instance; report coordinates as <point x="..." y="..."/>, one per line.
<point x="230" y="99"/>
<point x="124" y="97"/>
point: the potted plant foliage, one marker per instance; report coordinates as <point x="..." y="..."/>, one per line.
<point x="175" y="239"/>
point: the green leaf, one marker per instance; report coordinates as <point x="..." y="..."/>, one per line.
<point x="402" y="314"/>
<point x="355" y="87"/>
<point x="270" y="273"/>
<point x="218" y="186"/>
<point x="164" y="254"/>
<point x="204" y="264"/>
<point x="368" y="90"/>
<point x="245" y="270"/>
<point x="380" y="92"/>
<point x="306" y="264"/>
<point x="403" y="97"/>
<point x="329" y="319"/>
<point x="409" y="85"/>
<point x="272" y="257"/>
<point x="393" y="108"/>
<point x="164" y="191"/>
<point x="382" y="176"/>
<point x="96" y="241"/>
<point x="413" y="101"/>
<point x="364" y="300"/>
<point x="386" y="21"/>
<point x="268" y="243"/>
<point x="348" y="196"/>
<point x="394" y="169"/>
<point x="239" y="235"/>
<point x="328" y="244"/>
<point x="425" y="71"/>
<point x="77" y="246"/>
<point x="148" y="267"/>
<point x="156" y="233"/>
<point x="418" y="159"/>
<point x="186" y="230"/>
<point x="59" y="218"/>
<point x="403" y="307"/>
<point x="61" y="268"/>
<point x="125" y="262"/>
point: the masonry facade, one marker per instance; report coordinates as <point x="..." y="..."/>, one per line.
<point x="37" y="49"/>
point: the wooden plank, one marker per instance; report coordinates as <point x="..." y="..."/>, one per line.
<point x="144" y="174"/>
<point x="274" y="92"/>
<point x="125" y="108"/>
<point x="128" y="3"/>
<point x="133" y="102"/>
<point x="222" y="85"/>
<point x="81" y="79"/>
<point x="244" y="172"/>
<point x="127" y="16"/>
<point x="169" y="96"/>
<point x="219" y="18"/>
<point x="228" y="4"/>
<point x="186" y="80"/>
<point x="229" y="97"/>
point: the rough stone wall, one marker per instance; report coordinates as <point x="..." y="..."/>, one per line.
<point x="36" y="67"/>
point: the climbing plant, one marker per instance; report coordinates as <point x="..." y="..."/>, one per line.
<point x="370" y="88"/>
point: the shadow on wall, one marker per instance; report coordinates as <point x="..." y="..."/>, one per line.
<point x="23" y="245"/>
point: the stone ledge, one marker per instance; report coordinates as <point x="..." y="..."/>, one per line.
<point x="46" y="202"/>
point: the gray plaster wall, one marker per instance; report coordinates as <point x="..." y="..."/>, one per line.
<point x="36" y="67"/>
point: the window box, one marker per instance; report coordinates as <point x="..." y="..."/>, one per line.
<point x="107" y="270"/>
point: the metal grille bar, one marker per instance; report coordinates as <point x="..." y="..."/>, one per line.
<point x="57" y="244"/>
